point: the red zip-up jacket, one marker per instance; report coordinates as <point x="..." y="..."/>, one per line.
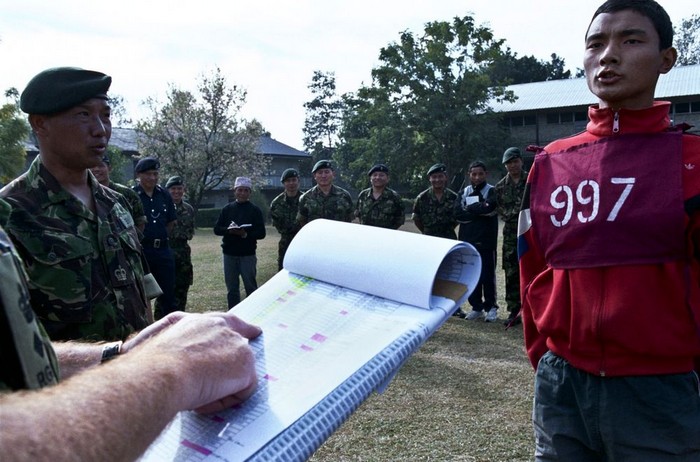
<point x="636" y="319"/>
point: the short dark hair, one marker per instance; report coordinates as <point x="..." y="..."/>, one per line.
<point x="649" y="8"/>
<point x="476" y="164"/>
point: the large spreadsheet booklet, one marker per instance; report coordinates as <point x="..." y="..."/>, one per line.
<point x="351" y="305"/>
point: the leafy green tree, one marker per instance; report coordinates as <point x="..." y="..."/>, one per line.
<point x="687" y="41"/>
<point x="323" y="116"/>
<point x="202" y="137"/>
<point x="14" y="130"/>
<point x="428" y="103"/>
<point x="511" y="69"/>
<point x="118" y="112"/>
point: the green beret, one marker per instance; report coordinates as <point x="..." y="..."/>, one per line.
<point x="321" y="164"/>
<point x="147" y="163"/>
<point x="173" y="181"/>
<point x="511" y="153"/>
<point x="378" y="168"/>
<point x="289" y="173"/>
<point x="437" y="168"/>
<point x="60" y="88"/>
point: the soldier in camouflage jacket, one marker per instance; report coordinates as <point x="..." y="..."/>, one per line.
<point x="433" y="209"/>
<point x="181" y="234"/>
<point x="78" y="242"/>
<point x="325" y="200"/>
<point x="509" y="193"/>
<point x="283" y="211"/>
<point x="379" y="205"/>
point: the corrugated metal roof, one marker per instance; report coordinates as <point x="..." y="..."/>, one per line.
<point x="681" y="81"/>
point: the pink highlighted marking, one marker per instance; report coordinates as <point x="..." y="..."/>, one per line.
<point x="320" y="338"/>
<point x="306" y="347"/>
<point x="344" y="312"/>
<point x="196" y="447"/>
<point x="269" y="377"/>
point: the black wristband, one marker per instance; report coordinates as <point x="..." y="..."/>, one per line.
<point x="110" y="350"/>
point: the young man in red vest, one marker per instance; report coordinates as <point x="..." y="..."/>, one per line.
<point x="610" y="260"/>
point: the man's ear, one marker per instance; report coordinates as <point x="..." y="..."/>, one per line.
<point x="669" y="57"/>
<point x="38" y="123"/>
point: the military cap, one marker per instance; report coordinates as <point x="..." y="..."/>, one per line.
<point x="437" y="168"/>
<point x="147" y="163"/>
<point x="60" y="88"/>
<point x="289" y="173"/>
<point x="173" y="181"/>
<point x="378" y="168"/>
<point x="321" y="164"/>
<point x="511" y="153"/>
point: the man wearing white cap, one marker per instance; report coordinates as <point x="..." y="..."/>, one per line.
<point x="241" y="225"/>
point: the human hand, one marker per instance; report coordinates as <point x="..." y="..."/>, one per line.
<point x="213" y="367"/>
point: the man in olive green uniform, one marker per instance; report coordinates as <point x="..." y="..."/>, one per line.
<point x="79" y="243"/>
<point x="325" y="200"/>
<point x="283" y="211"/>
<point x="131" y="200"/>
<point x="380" y="205"/>
<point x="509" y="193"/>
<point x="433" y="209"/>
<point x="182" y="232"/>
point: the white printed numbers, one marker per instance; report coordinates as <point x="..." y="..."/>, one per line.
<point x="587" y="192"/>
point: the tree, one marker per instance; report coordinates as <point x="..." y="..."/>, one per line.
<point x="687" y="41"/>
<point x="428" y="103"/>
<point x="512" y="70"/>
<point x="118" y="112"/>
<point x="13" y="132"/>
<point x="323" y="116"/>
<point x="202" y="138"/>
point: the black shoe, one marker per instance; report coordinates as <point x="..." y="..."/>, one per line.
<point x="459" y="313"/>
<point x="513" y="320"/>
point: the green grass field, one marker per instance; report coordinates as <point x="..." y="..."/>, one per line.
<point x="466" y="395"/>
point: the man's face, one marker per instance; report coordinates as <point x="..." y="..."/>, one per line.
<point x="477" y="175"/>
<point x="291" y="185"/>
<point x="242" y="194"/>
<point x="379" y="179"/>
<point x="76" y="138"/>
<point x="148" y="179"/>
<point x="101" y="173"/>
<point x="176" y="192"/>
<point x="622" y="59"/>
<point x="514" y="166"/>
<point x="438" y="180"/>
<point x="324" y="176"/>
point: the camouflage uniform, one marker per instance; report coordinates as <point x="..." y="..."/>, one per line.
<point x="131" y="202"/>
<point x="283" y="211"/>
<point x="385" y="212"/>
<point x="85" y="272"/>
<point x="27" y="360"/>
<point x="510" y="197"/>
<point x="337" y="205"/>
<point x="437" y="216"/>
<point x="182" y="232"/>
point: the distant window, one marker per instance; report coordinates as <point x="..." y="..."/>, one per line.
<point x="682" y="108"/>
<point x="553" y="118"/>
<point x="530" y="120"/>
<point x="695" y="106"/>
<point x="580" y="116"/>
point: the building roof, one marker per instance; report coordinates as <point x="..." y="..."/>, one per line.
<point x="271" y="146"/>
<point x="126" y="140"/>
<point x="681" y="81"/>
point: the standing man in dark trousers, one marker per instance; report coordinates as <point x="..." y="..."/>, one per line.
<point x="283" y="211"/>
<point x="182" y="233"/>
<point x="509" y="192"/>
<point x="160" y="219"/>
<point x="241" y="224"/>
